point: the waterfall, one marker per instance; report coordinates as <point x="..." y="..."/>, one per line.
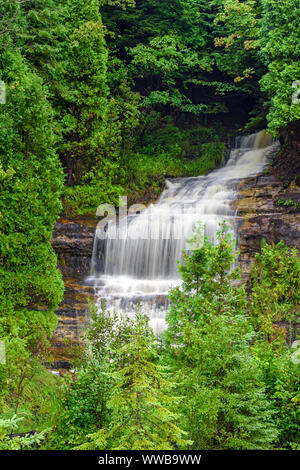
<point x="135" y="259"/>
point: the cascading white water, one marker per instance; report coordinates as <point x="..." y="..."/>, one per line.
<point x="135" y="261"/>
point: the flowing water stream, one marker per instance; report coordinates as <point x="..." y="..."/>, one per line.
<point x="135" y="259"/>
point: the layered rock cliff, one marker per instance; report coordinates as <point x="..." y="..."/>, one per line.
<point x="73" y="243"/>
<point x="269" y="206"/>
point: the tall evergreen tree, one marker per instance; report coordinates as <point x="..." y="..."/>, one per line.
<point x="84" y="96"/>
<point x="276" y="270"/>
<point x="86" y="396"/>
<point x="280" y="50"/>
<point x="142" y="403"/>
<point x="30" y="185"/>
<point x="64" y="42"/>
<point x="208" y="338"/>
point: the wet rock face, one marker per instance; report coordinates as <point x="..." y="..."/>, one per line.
<point x="269" y="207"/>
<point x="73" y="318"/>
<point x="73" y="244"/>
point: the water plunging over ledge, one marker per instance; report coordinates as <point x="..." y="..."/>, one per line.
<point x="136" y="261"/>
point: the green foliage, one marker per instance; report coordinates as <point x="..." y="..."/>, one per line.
<point x="28" y="206"/>
<point x="281" y="376"/>
<point x="264" y="34"/>
<point x="84" y="98"/>
<point x="119" y="397"/>
<point x="276" y="271"/>
<point x="213" y="154"/>
<point x="274" y="309"/>
<point x="239" y="58"/>
<point x="64" y="41"/>
<point x="97" y="188"/>
<point x="215" y="382"/>
<point x="85" y="395"/>
<point x="173" y="56"/>
<point x="169" y="58"/>
<point x="279" y="43"/>
<point x="31" y="181"/>
<point x="151" y="91"/>
<point x="289" y="204"/>
<point x="141" y="402"/>
<point x="17" y="443"/>
<point x="39" y="402"/>
<point x="208" y="341"/>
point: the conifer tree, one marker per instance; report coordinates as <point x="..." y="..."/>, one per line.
<point x="42" y="38"/>
<point x="64" y="42"/>
<point x="84" y="95"/>
<point x="207" y="276"/>
<point x="31" y="182"/>
<point x="277" y="271"/>
<point x="279" y="44"/>
<point x="142" y="403"/>
<point x="30" y="185"/>
<point x="87" y="394"/>
<point x="208" y="342"/>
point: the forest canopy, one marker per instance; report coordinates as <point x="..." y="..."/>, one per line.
<point x="137" y="88"/>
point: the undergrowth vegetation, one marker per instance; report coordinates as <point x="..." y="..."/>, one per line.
<point x="224" y="375"/>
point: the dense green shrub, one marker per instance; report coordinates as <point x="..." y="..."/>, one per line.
<point x="279" y="44"/>
<point x="277" y="271"/>
<point x="208" y="344"/>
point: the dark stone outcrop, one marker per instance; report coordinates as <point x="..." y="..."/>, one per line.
<point x="269" y="206"/>
<point x="73" y="242"/>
